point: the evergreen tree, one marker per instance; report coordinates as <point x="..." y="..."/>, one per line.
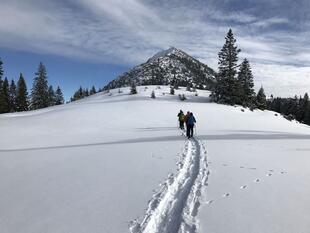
<point x="1" y="69"/>
<point x="133" y="89"/>
<point x="93" y="90"/>
<point x="307" y="115"/>
<point x="153" y="95"/>
<point x="261" y="101"/>
<point x="12" y="97"/>
<point x="21" y="95"/>
<point x="39" y="92"/>
<point x="5" y="97"/>
<point x="51" y="96"/>
<point x="79" y="94"/>
<point x="59" y="99"/>
<point x="225" y="90"/>
<point x="245" y="84"/>
<point x="172" y="90"/>
<point x="302" y="107"/>
<point x="1" y="87"/>
<point x="85" y="92"/>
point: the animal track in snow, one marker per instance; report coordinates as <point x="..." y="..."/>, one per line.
<point x="226" y="195"/>
<point x="243" y="187"/>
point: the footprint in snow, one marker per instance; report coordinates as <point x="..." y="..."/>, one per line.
<point x="257" y="180"/>
<point x="243" y="187"/>
<point x="241" y="167"/>
<point x="269" y="174"/>
<point x="282" y="172"/>
<point x="224" y="165"/>
<point x="209" y="202"/>
<point x="271" y="170"/>
<point x="226" y="195"/>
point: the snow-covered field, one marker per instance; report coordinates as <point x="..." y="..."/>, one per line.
<point x="115" y="163"/>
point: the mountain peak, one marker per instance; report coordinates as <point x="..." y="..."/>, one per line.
<point x="168" y="67"/>
<point x="164" y="53"/>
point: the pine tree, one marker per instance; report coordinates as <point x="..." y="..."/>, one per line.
<point x="21" y="95"/>
<point x="225" y="90"/>
<point x="261" y="101"/>
<point x="245" y="84"/>
<point x="1" y="85"/>
<point x="12" y="97"/>
<point x="78" y="94"/>
<point x="59" y="99"/>
<point x="5" y="97"/>
<point x="153" y="95"/>
<point x="51" y="96"/>
<point x="307" y="115"/>
<point x="85" y="92"/>
<point x="133" y="89"/>
<point x="302" y="107"/>
<point x="39" y="92"/>
<point x="93" y="90"/>
<point x="1" y="69"/>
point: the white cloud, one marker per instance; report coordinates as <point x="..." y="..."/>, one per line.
<point x="128" y="32"/>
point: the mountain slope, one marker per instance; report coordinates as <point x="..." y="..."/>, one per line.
<point x="115" y="161"/>
<point x="168" y="67"/>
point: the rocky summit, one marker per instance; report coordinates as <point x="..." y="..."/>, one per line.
<point x="168" y="67"/>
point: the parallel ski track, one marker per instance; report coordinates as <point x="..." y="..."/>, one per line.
<point x="174" y="208"/>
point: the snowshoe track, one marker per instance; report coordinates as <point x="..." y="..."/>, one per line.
<point x="175" y="207"/>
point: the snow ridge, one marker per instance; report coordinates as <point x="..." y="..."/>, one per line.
<point x="174" y="208"/>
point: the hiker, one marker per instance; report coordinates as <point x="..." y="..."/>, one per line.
<point x="181" y="119"/>
<point x="190" y="123"/>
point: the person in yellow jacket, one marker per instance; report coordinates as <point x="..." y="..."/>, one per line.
<point x="181" y="119"/>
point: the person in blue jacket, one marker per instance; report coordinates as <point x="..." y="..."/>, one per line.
<point x="190" y="123"/>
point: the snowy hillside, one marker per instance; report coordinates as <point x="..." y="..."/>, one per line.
<point x="117" y="163"/>
<point x="171" y="66"/>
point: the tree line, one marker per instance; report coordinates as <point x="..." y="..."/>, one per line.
<point x="292" y="108"/>
<point x="234" y="82"/>
<point x="15" y="97"/>
<point x="84" y="92"/>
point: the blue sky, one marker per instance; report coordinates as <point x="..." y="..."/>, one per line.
<point x="86" y="42"/>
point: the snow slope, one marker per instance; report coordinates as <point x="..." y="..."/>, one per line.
<point x="117" y="163"/>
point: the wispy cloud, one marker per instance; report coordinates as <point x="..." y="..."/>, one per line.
<point x="128" y="32"/>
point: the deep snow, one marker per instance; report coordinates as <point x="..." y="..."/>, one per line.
<point x="96" y="165"/>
